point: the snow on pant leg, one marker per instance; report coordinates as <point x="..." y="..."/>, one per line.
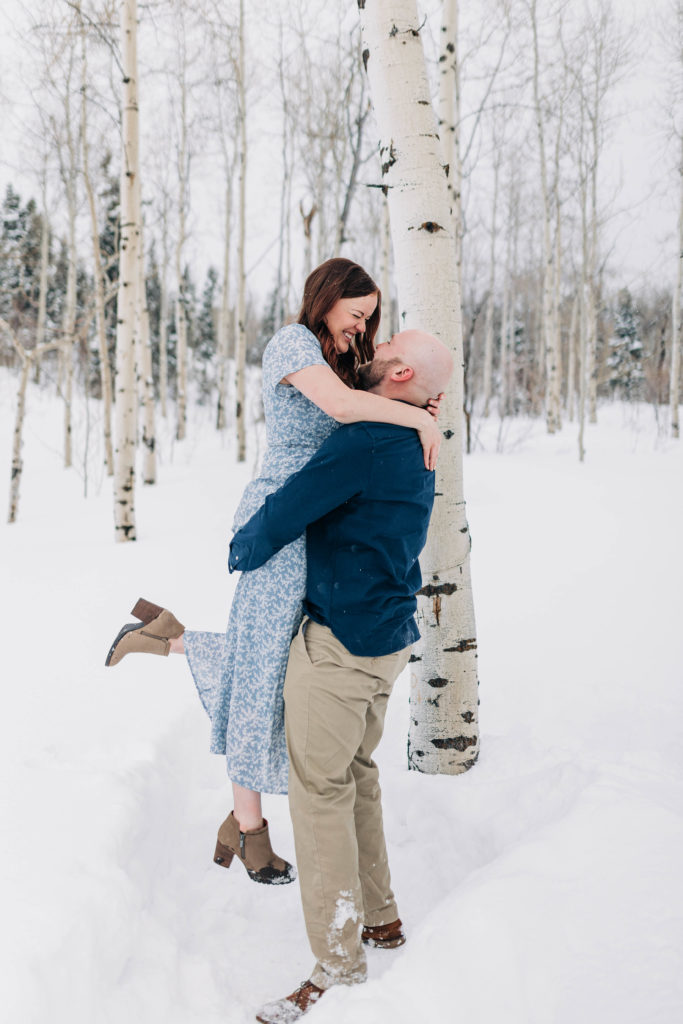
<point x="328" y="692"/>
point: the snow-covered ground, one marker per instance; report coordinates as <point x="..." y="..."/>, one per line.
<point x="542" y="887"/>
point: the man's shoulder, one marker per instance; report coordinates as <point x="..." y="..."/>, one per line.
<point x="368" y="430"/>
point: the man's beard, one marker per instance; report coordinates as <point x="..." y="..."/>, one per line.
<point x="372" y="374"/>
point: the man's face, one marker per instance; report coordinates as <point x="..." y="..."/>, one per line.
<point x="387" y="355"/>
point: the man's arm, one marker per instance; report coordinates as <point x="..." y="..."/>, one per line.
<point x="336" y="473"/>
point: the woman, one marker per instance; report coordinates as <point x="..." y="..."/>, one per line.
<point x="309" y="374"/>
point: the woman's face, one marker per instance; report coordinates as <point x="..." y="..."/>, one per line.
<point x="347" y="318"/>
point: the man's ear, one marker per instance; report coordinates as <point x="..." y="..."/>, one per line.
<point x="402" y="374"/>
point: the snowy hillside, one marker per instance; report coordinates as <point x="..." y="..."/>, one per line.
<point x="543" y="887"/>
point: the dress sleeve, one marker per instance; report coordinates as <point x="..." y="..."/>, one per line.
<point x="291" y="349"/>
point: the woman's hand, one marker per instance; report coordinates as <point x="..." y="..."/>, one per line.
<point x="434" y="406"/>
<point x="430" y="439"/>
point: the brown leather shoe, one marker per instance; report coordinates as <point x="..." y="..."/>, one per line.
<point x="384" y="936"/>
<point x="150" y="636"/>
<point x="255" y="852"/>
<point x="291" y="1008"/>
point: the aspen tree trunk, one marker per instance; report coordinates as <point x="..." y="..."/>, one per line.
<point x="126" y="398"/>
<point x="490" y="305"/>
<point x="27" y="361"/>
<point x="100" y="316"/>
<point x="241" y="345"/>
<point x="224" y="316"/>
<point x="449" y="122"/>
<point x="17" y="462"/>
<point x="149" y="462"/>
<point x="307" y="219"/>
<point x="444" y="703"/>
<point x="592" y="312"/>
<point x="44" y="261"/>
<point x="505" y="339"/>
<point x="163" y="313"/>
<point x="69" y="321"/>
<point x="571" y="360"/>
<point x="676" y="334"/>
<point x="555" y="383"/>
<point x="548" y="273"/>
<point x="181" y="323"/>
<point x="387" y="310"/>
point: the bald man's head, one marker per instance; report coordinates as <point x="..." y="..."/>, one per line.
<point x="413" y="366"/>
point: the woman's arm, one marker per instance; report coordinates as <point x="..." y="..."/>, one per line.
<point x="321" y="385"/>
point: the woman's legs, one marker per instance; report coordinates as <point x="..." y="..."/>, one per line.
<point x="247" y="802"/>
<point x="247" y="808"/>
<point x="177" y="645"/>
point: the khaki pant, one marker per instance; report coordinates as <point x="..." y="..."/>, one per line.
<point x="335" y="704"/>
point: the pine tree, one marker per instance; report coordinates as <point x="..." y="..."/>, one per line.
<point x="625" y="359"/>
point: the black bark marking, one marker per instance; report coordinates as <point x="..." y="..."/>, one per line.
<point x="430" y="226"/>
<point x="413" y="658"/>
<point x="471" y="763"/>
<point x="449" y="46"/>
<point x="393" y="32"/>
<point x="463" y="645"/>
<point x="430" y="590"/>
<point x="437" y="682"/>
<point x="361" y="5"/>
<point x="366" y="58"/>
<point x="387" y="165"/>
<point x="467" y="716"/>
<point x="434" y="701"/>
<point x="448" y="434"/>
<point x="460" y="743"/>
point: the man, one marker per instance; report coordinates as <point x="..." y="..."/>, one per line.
<point x="365" y="500"/>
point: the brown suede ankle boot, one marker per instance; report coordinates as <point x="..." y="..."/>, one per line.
<point x="255" y="852"/>
<point x="150" y="636"/>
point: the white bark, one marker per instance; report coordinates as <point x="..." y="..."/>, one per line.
<point x="125" y="416"/>
<point x="28" y="360"/>
<point x="98" y="271"/>
<point x="241" y="341"/>
<point x="224" y="318"/>
<point x="183" y="182"/>
<point x="449" y="122"/>
<point x="676" y="334"/>
<point x="548" y="270"/>
<point x="490" y="305"/>
<point x="572" y="357"/>
<point x="147" y="398"/>
<point x="387" y="310"/>
<point x="443" y="731"/>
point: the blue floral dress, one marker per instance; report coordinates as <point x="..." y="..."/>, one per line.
<point x="240" y="674"/>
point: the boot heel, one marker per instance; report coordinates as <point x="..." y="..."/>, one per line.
<point x="146" y="610"/>
<point x="223" y="855"/>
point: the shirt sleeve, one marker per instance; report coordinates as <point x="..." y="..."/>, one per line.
<point x="292" y="348"/>
<point x="337" y="472"/>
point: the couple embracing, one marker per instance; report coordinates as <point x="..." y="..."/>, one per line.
<point x="322" y="622"/>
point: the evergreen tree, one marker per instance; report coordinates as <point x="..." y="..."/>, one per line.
<point x="205" y="339"/>
<point x="625" y="359"/>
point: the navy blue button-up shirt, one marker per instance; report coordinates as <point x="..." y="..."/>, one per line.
<point x="364" y="499"/>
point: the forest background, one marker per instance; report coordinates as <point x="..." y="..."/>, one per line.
<point x="605" y="91"/>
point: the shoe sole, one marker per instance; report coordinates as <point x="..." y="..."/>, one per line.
<point x="126" y="629"/>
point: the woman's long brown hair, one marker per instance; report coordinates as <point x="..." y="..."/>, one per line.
<point x="336" y="279"/>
